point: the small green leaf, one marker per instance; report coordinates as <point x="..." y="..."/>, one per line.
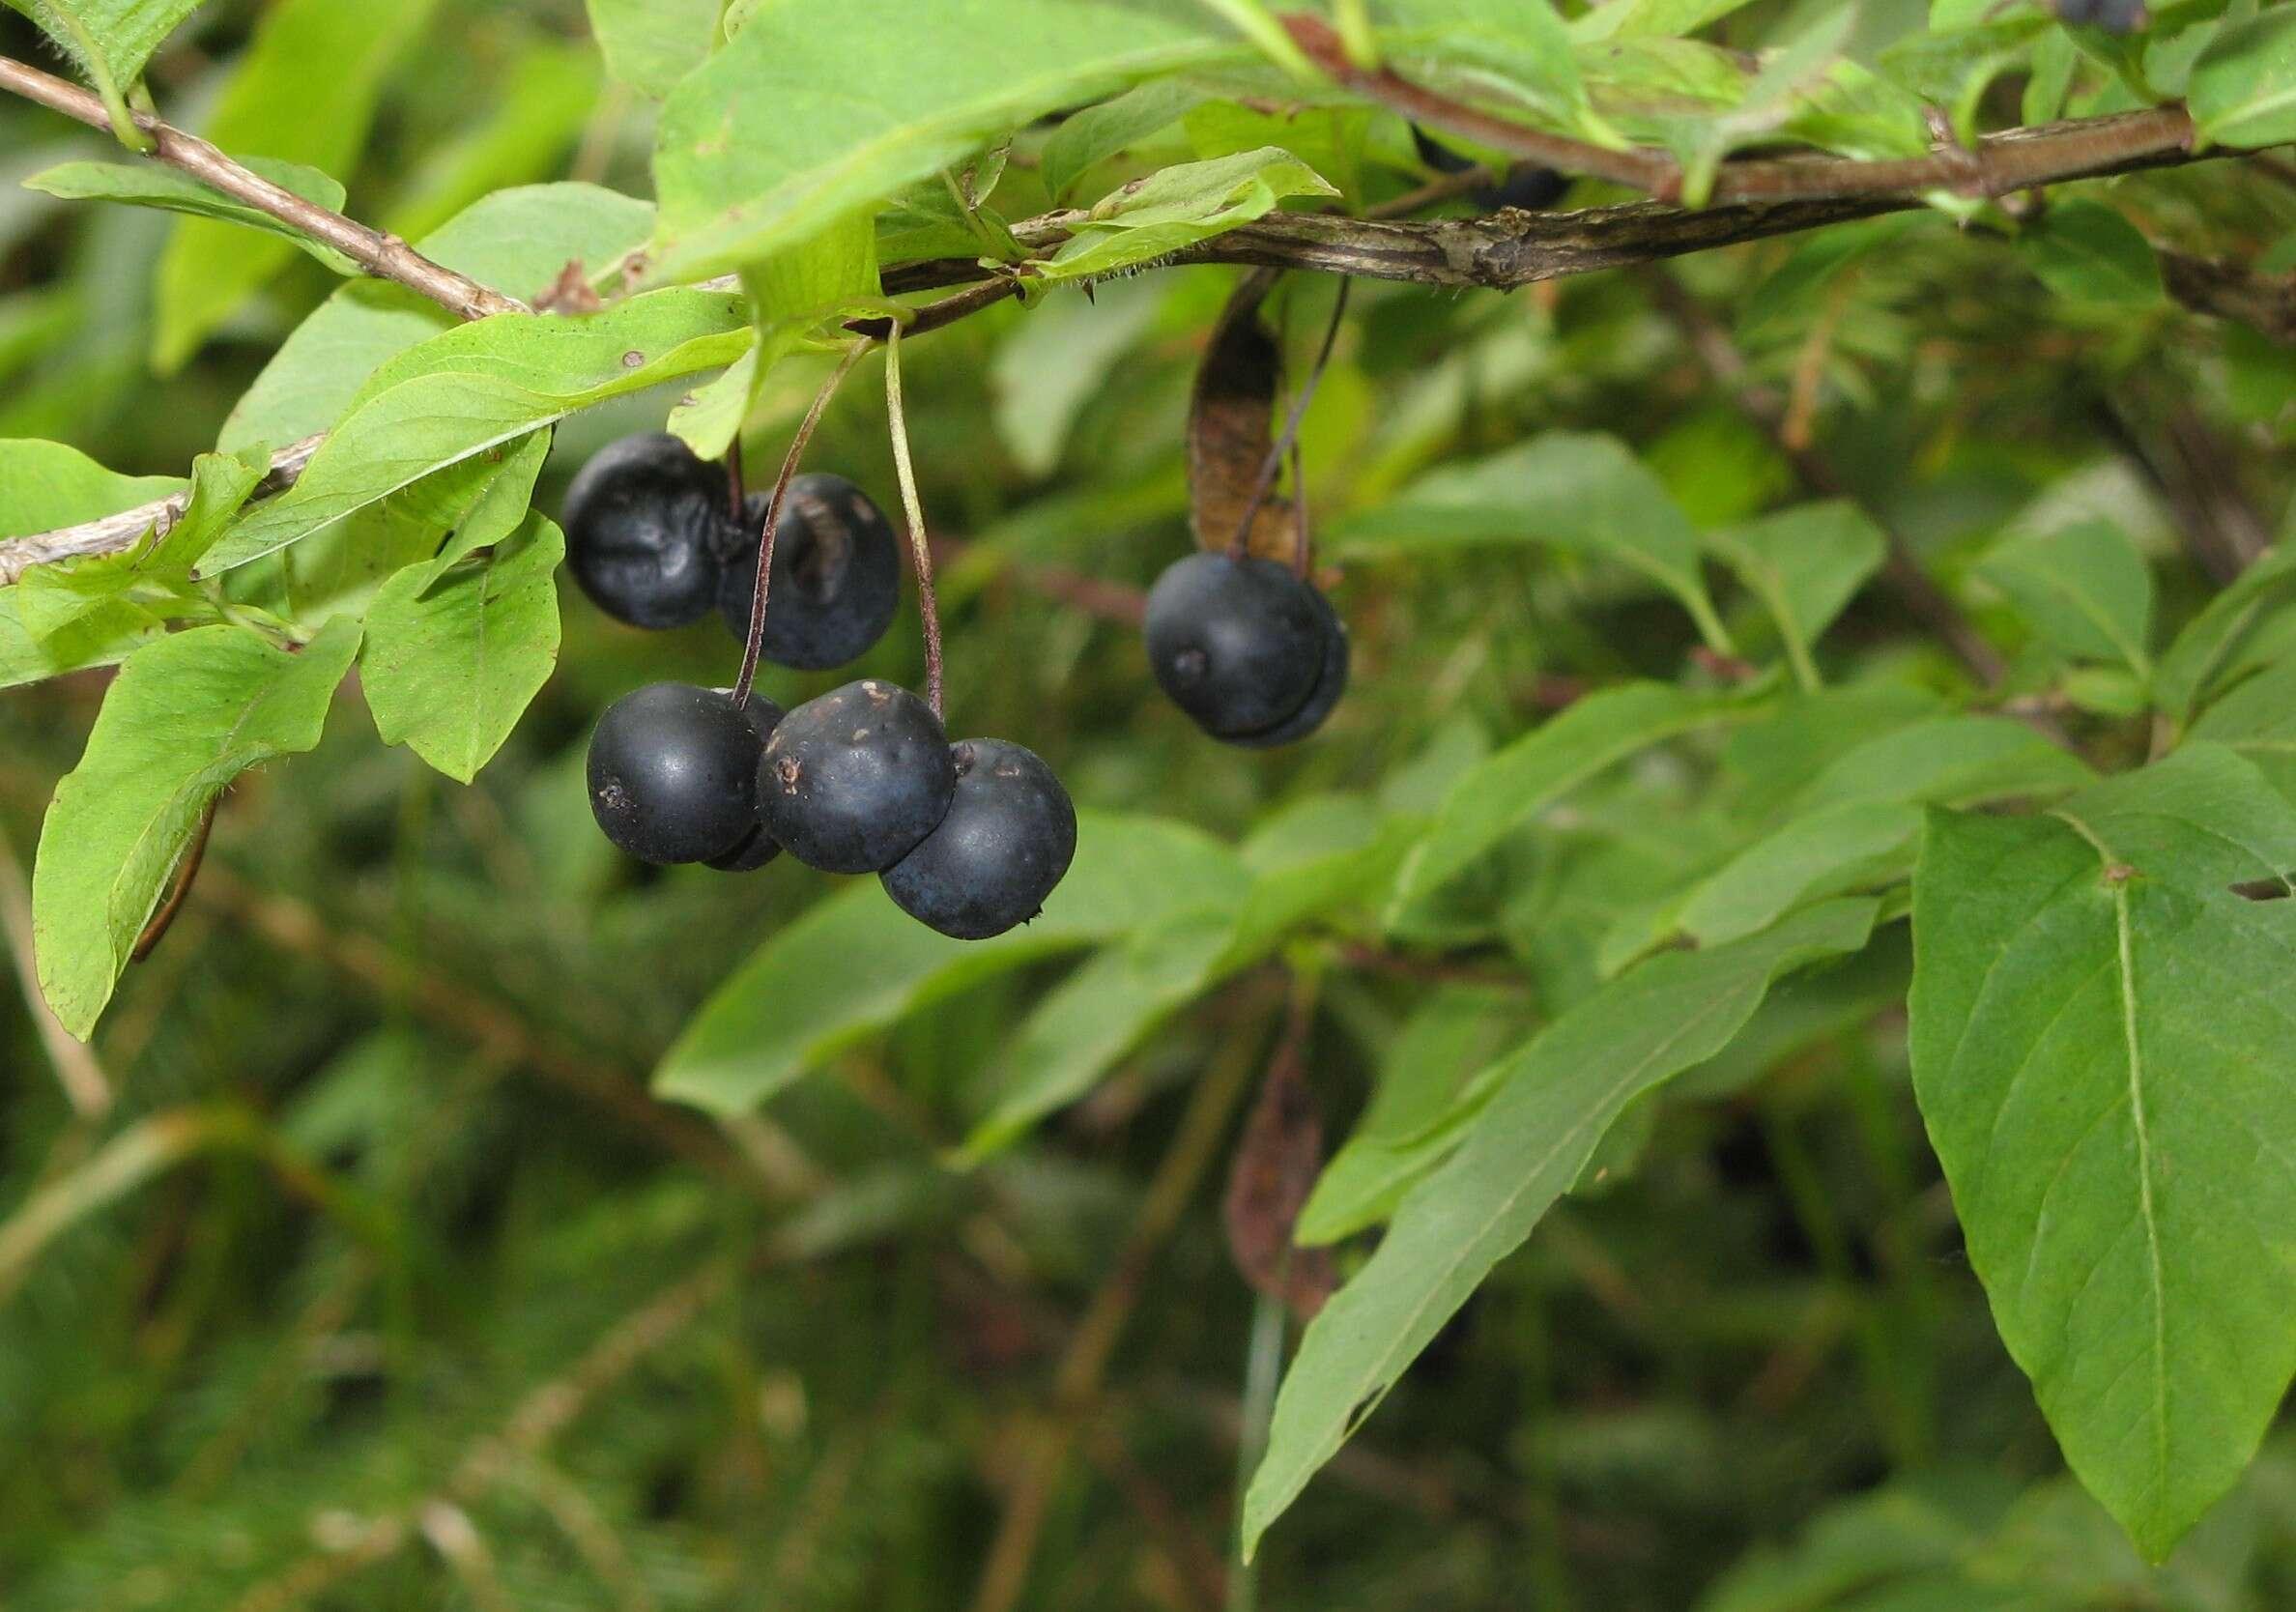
<point x="1581" y="492"/>
<point x="650" y="45"/>
<point x="2243" y="90"/>
<point x="1805" y="565"/>
<point x="102" y="636"/>
<point x="2084" y="588"/>
<point x="45" y="485"/>
<point x="2100" y="1038"/>
<point x="1179" y="205"/>
<point x="148" y="185"/>
<point x="2210" y="643"/>
<point x="448" y="668"/>
<point x="1519" y="45"/>
<point x="1096" y="133"/>
<point x="112" y="39"/>
<point x="1553" y="1103"/>
<point x="2087" y="252"/>
<point x="185" y="716"/>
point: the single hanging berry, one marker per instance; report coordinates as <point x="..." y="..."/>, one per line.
<point x="644" y="523"/>
<point x="1006" y="841"/>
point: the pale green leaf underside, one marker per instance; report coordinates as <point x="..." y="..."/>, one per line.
<point x="1551" y="1107"/>
<point x="2100" y="1037"/>
<point x="1178" y="207"/>
<point x="188" y="714"/>
<point x="148" y="185"/>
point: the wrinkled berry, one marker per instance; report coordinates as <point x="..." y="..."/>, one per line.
<point x="850" y="782"/>
<point x="1007" y="839"/>
<point x="836" y="574"/>
<point x="642" y="521"/>
<point x="672" y="773"/>
<point x="1238" y="644"/>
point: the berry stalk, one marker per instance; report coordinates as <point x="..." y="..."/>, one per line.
<point x="1240" y="544"/>
<point x="756" y="643"/>
<point x="920" y="549"/>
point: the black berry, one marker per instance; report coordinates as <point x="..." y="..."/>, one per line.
<point x="672" y="773"/>
<point x="1007" y="839"/>
<point x="643" y="524"/>
<point x="1330" y="685"/>
<point x="853" y="781"/>
<point x="836" y="574"/>
<point x="759" y="847"/>
<point x="1238" y="644"/>
<point x="1525" y="184"/>
<point x="2114" y="17"/>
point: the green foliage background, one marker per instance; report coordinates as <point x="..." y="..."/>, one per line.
<point x="450" y="1212"/>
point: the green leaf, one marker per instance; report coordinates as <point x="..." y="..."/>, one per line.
<point x="2243" y="90"/>
<point x="1582" y="492"/>
<point x="112" y="39"/>
<point x="516" y="241"/>
<point x="482" y="506"/>
<point x="836" y="104"/>
<point x="1179" y="205"/>
<point x="1553" y="1103"/>
<point x="2211" y="643"/>
<point x="1947" y="761"/>
<point x="2100" y="1033"/>
<point x="650" y="45"/>
<point x="481" y="385"/>
<point x="1096" y="133"/>
<point x="449" y="668"/>
<point x="185" y="716"/>
<point x="1516" y="784"/>
<point x="855" y="962"/>
<point x="1418" y="1111"/>
<point x="102" y="636"/>
<point x="45" y="485"/>
<point x="1829" y="853"/>
<point x="207" y="267"/>
<point x="2084" y="588"/>
<point x="2087" y="252"/>
<point x="1517" y="46"/>
<point x="533" y="119"/>
<point x="1805" y="563"/>
<point x="2257" y="720"/>
<point x="148" y="185"/>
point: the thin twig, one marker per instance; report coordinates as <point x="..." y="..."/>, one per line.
<point x="755" y="645"/>
<point x="385" y="256"/>
<point x="920" y="546"/>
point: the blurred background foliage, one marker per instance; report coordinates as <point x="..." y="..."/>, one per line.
<point x="382" y="1283"/>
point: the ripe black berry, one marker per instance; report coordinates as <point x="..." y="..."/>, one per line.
<point x="1525" y="184"/>
<point x="1007" y="839"/>
<point x="852" y="781"/>
<point x="642" y="520"/>
<point x="2114" y="17"/>
<point x="1330" y="685"/>
<point x="836" y="574"/>
<point x="759" y="847"/>
<point x="672" y="773"/>
<point x="1238" y="644"/>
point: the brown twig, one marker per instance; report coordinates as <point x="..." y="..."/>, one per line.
<point x="2230" y="291"/>
<point x="1239" y="544"/>
<point x="385" y="256"/>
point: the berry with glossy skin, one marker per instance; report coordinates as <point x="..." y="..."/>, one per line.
<point x="1008" y="836"/>
<point x="643" y="524"/>
<point x="836" y="574"/>
<point x="853" y="781"/>
<point x="1238" y="644"/>
<point x="1330" y="685"/>
<point x="759" y="847"/>
<point x="674" y="773"/>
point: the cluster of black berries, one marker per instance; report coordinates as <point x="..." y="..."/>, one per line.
<point x="1251" y="650"/>
<point x="968" y="838"/>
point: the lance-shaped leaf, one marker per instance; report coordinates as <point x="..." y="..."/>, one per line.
<point x="2243" y="90"/>
<point x="2101" y="1038"/>
<point x="1805" y="563"/>
<point x="187" y="715"/>
<point x="449" y="671"/>
<point x="1180" y="206"/>
<point x="820" y="107"/>
<point x="1552" y="1105"/>
<point x="2083" y="588"/>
